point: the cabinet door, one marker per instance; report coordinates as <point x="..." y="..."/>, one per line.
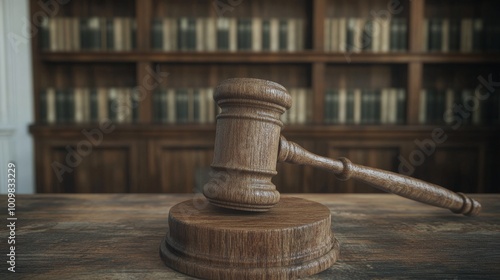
<point x="177" y="167"/>
<point x="455" y="166"/>
<point x="378" y="154"/>
<point x="73" y="167"/>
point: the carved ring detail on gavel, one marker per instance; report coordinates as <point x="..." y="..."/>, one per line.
<point x="248" y="144"/>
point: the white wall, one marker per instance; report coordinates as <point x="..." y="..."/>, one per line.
<point x="16" y="95"/>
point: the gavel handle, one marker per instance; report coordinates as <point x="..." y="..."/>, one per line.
<point x="384" y="180"/>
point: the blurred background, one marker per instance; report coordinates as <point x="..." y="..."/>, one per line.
<point x="109" y="96"/>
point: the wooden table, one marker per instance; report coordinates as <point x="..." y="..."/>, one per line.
<point x="95" y="236"/>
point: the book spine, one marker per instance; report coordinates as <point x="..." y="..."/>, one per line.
<point x="292" y="35"/>
<point x="201" y="23"/>
<point x="211" y="31"/>
<point x="423" y="107"/>
<point x="350" y="106"/>
<point x="454" y="37"/>
<point x="357" y="105"/>
<point x="222" y="34"/>
<point x="171" y="109"/>
<point x="334" y="35"/>
<point x="103" y="100"/>
<point x="266" y="35"/>
<point x="283" y="35"/>
<point x="328" y="35"/>
<point x="274" y="33"/>
<point x="342" y="37"/>
<point x="257" y="34"/>
<point x="477" y="35"/>
<point x="233" y="35"/>
<point x="401" y="106"/>
<point x="157" y="34"/>
<point x="445" y="35"/>
<point x="69" y="106"/>
<point x="78" y="105"/>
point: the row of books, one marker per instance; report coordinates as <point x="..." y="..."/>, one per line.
<point x="228" y="34"/>
<point x="300" y="112"/>
<point x="196" y="105"/>
<point x="365" y="106"/>
<point x="440" y="106"/>
<point x="81" y="105"/>
<point x="94" y="33"/>
<point x="460" y="35"/>
<point x="365" y="35"/>
<point x="184" y="105"/>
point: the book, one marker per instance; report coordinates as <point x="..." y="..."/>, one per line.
<point x="445" y="32"/>
<point x="233" y="35"/>
<point x="384" y="35"/>
<point x="343" y="106"/>
<point x="342" y="36"/>
<point x="422" y="116"/>
<point x="266" y="35"/>
<point x="401" y="106"/>
<point x="257" y="34"/>
<point x="328" y="34"/>
<point x="292" y="35"/>
<point x="102" y="101"/>
<point x="182" y="107"/>
<point x="211" y="38"/>
<point x="171" y="106"/>
<point x="222" y="34"/>
<point x="244" y="35"/>
<point x="357" y="95"/>
<point x="283" y="35"/>
<point x="201" y="23"/>
<point x="334" y="35"/>
<point x="157" y="31"/>
<point x="274" y="33"/>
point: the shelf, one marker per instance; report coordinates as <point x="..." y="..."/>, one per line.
<point x="267" y="57"/>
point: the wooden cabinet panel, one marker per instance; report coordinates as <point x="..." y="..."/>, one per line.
<point x="456" y="167"/>
<point x="379" y="155"/>
<point x="293" y="178"/>
<point x="178" y="168"/>
<point x="108" y="168"/>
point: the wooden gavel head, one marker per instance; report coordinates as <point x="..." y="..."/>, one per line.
<point x="246" y="144"/>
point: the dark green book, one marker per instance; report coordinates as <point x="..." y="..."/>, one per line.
<point x="157" y="34"/>
<point x="244" y="35"/>
<point x="222" y="34"/>
<point x="181" y="106"/>
<point x="328" y="107"/>
<point x="401" y="106"/>
<point x="156" y="105"/>
<point x="110" y="43"/>
<point x="196" y="106"/>
<point x="377" y="114"/>
<point x="477" y="35"/>
<point x="133" y="36"/>
<point x="84" y="34"/>
<point x="350" y="106"/>
<point x="283" y="35"/>
<point x="454" y="35"/>
<point x="367" y="36"/>
<point x="394" y="33"/>
<point x="266" y="35"/>
<point x="403" y="35"/>
<point x="349" y="39"/>
<point x="191" y="34"/>
<point x="60" y="106"/>
<point x="365" y="106"/>
<point x="69" y="110"/>
<point x="44" y="34"/>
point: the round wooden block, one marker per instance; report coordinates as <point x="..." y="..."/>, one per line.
<point x="293" y="239"/>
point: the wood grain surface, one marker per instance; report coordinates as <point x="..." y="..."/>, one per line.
<point x="95" y="236"/>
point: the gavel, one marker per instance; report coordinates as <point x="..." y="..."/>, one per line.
<point x="248" y="145"/>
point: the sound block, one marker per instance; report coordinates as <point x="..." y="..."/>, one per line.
<point x="294" y="239"/>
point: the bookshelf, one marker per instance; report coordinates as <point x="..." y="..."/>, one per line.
<point x="364" y="97"/>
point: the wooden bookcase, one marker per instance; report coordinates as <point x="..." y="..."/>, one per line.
<point x="145" y="156"/>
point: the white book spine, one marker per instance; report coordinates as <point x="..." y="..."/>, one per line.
<point x="385" y="108"/>
<point x="202" y="105"/>
<point x="292" y="34"/>
<point x="301" y="114"/>
<point x="171" y="109"/>
<point x="274" y="31"/>
<point x="200" y="34"/>
<point x="78" y="104"/>
<point x="445" y="32"/>
<point x="376" y="36"/>
<point x="211" y="34"/>
<point x="166" y="35"/>
<point x="334" y="37"/>
<point x="384" y="35"/>
<point x="51" y="105"/>
<point x="328" y="34"/>
<point x="256" y="34"/>
<point x="210" y="105"/>
<point x="357" y="106"/>
<point x="342" y="105"/>
<point x="342" y="34"/>
<point x="118" y="34"/>
<point x="233" y="34"/>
